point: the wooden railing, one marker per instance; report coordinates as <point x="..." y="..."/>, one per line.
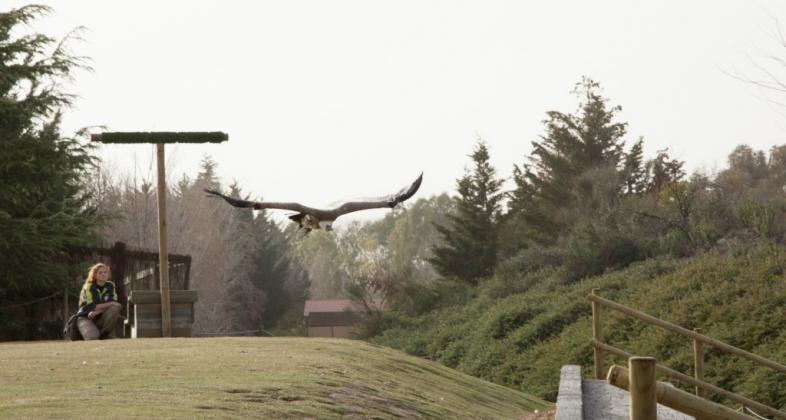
<point x="699" y="340"/>
<point x="646" y="393"/>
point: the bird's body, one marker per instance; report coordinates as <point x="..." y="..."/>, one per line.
<point x="309" y="218"/>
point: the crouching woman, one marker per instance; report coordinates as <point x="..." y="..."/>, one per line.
<point x="98" y="305"/>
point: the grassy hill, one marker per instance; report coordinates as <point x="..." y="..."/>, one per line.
<point x="241" y="377"/>
<point x="520" y="331"/>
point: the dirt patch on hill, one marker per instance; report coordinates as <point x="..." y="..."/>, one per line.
<point x="542" y="415"/>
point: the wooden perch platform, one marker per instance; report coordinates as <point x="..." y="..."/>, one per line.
<point x="160" y="137"/>
<point x="144" y="316"/>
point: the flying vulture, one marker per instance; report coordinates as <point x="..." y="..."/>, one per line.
<point x="309" y="218"/>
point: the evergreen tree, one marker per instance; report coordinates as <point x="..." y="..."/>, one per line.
<point x="570" y="167"/>
<point x="207" y="178"/>
<point x="469" y="241"/>
<point x="663" y="171"/>
<point x="263" y="261"/>
<point x="635" y="173"/>
<point x="272" y="266"/>
<point x="42" y="209"/>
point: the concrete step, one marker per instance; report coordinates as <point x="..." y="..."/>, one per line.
<point x="590" y="399"/>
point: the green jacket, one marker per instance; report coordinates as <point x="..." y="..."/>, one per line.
<point x="92" y="295"/>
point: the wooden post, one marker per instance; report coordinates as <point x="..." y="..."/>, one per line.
<point x="187" y="282"/>
<point x="698" y="362"/>
<point x="118" y="266"/>
<point x="597" y="335"/>
<point x="163" y="253"/>
<point x="643" y="402"/>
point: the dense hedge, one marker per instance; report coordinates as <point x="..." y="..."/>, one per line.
<point x="523" y="339"/>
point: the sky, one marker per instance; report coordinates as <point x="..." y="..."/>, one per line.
<point x="330" y="100"/>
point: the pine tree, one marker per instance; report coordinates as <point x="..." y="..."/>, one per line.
<point x="469" y="241"/>
<point x="207" y="178"/>
<point x="42" y="209"/>
<point x="578" y="155"/>
<point x="635" y="172"/>
<point x="272" y="266"/>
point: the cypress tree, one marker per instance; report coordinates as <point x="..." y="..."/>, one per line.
<point x="42" y="210"/>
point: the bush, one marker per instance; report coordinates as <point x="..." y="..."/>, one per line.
<point x="528" y="261"/>
<point x="764" y="219"/>
<point x="592" y="249"/>
<point x="412" y="299"/>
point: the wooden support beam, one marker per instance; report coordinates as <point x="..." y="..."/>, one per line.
<point x="597" y="334"/>
<point x="643" y="403"/>
<point x="698" y="362"/>
<point x="136" y="137"/>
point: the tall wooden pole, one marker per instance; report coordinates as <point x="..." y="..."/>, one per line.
<point x="163" y="253"/>
<point x="597" y="335"/>
<point x="643" y="402"/>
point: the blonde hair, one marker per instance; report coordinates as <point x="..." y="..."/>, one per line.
<point x="91" y="277"/>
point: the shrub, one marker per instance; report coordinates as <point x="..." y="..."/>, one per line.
<point x="412" y="298"/>
<point x="762" y="218"/>
<point x="592" y="249"/>
<point x="529" y="260"/>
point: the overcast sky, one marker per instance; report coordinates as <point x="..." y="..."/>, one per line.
<point x="326" y="100"/>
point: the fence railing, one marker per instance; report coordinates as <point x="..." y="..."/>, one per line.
<point x="599" y="347"/>
<point x="646" y="393"/>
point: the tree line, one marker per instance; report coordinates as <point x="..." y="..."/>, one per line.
<point x="585" y="200"/>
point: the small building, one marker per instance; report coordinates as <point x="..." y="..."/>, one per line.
<point x="332" y="318"/>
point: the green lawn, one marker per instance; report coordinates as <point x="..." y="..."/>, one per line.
<point x="241" y="377"/>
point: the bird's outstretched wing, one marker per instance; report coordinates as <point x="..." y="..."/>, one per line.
<point x="381" y="202"/>
<point x="407" y="192"/>
<point x="259" y="205"/>
<point x="233" y="201"/>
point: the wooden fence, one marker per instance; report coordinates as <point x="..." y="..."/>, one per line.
<point x="131" y="270"/>
<point x="699" y="340"/>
